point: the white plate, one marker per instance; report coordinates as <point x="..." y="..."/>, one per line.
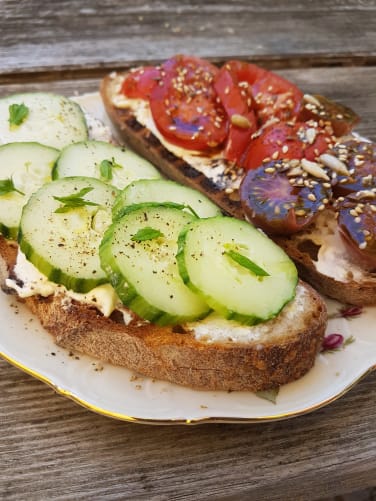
<point x="119" y="393"/>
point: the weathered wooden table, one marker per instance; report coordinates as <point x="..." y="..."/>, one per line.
<point x="50" y="448"/>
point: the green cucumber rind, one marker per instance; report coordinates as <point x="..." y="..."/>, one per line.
<point x="53" y="95"/>
<point x="125" y="289"/>
<point x="215" y="305"/>
<point x="55" y="274"/>
<point x="167" y="185"/>
<point x="9" y="233"/>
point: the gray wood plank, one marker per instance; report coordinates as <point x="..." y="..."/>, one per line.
<point x="37" y="35"/>
<point x="52" y="449"/>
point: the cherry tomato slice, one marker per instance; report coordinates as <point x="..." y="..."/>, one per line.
<point x="274" y="96"/>
<point x="359" y="157"/>
<point x="287" y="141"/>
<point x="341" y="118"/>
<point x="278" y="203"/>
<point x="184" y="105"/>
<point x="140" y="82"/>
<point x="357" y="223"/>
<point x="236" y="101"/>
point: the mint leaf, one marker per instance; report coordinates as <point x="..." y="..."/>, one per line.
<point x="106" y="167"/>
<point x="75" y="200"/>
<point x="246" y="263"/>
<point x="7" y="186"/>
<point x="270" y="395"/>
<point x="146" y="233"/>
<point x="17" y="114"/>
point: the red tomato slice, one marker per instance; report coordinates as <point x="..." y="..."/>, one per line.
<point x="276" y="97"/>
<point x="287" y="141"/>
<point x="237" y="101"/>
<point x="184" y="105"/>
<point x="140" y="82"/>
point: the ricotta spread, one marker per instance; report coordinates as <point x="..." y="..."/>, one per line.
<point x="30" y="281"/>
<point x="333" y="259"/>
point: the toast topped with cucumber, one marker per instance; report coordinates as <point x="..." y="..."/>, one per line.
<point x="264" y="151"/>
<point x="139" y="271"/>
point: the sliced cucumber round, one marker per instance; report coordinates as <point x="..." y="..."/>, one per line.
<point x="138" y="252"/>
<point x="104" y="161"/>
<point x="47" y="118"/>
<point x="24" y="168"/>
<point x="239" y="272"/>
<point x="163" y="190"/>
<point x="61" y="228"/>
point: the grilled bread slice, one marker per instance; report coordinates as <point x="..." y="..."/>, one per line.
<point x="136" y="128"/>
<point x="271" y="354"/>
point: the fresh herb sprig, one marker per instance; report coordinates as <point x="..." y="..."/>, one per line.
<point x="246" y="263"/>
<point x="146" y="233"/>
<point x="7" y="186"/>
<point x="75" y="200"/>
<point x="17" y="114"/>
<point x="106" y="168"/>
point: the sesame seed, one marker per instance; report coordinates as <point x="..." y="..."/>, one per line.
<point x="362" y="245"/>
<point x="311" y="197"/>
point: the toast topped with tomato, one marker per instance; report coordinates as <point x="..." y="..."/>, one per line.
<point x="140" y="271"/>
<point x="264" y="151"/>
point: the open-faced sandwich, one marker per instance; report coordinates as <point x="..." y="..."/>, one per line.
<point x="140" y="271"/>
<point x="264" y="151"/>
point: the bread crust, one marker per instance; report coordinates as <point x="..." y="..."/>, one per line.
<point x="144" y="142"/>
<point x="173" y="353"/>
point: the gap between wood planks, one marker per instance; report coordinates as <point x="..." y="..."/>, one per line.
<point x="291" y="61"/>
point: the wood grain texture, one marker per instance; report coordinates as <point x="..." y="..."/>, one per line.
<point x="38" y="35"/>
<point x="52" y="449"/>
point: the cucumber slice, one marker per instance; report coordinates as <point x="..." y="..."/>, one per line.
<point x="64" y="245"/>
<point x="144" y="273"/>
<point x="163" y="190"/>
<point x="207" y="260"/>
<point x="24" y="168"/>
<point x="104" y="161"/>
<point x="51" y="119"/>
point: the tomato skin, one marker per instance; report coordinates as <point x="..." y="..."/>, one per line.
<point x="237" y="103"/>
<point x="360" y="159"/>
<point x="184" y="105"/>
<point x="286" y="141"/>
<point x="316" y="107"/>
<point x="276" y="97"/>
<point x="277" y="206"/>
<point x="139" y="83"/>
<point x="358" y="231"/>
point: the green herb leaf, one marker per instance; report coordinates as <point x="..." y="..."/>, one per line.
<point x="106" y="167"/>
<point x="146" y="233"/>
<point x="7" y="186"/>
<point x="75" y="200"/>
<point x="17" y="114"/>
<point x="246" y="263"/>
<point x="270" y="395"/>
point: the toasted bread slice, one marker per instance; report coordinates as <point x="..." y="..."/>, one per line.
<point x="269" y="355"/>
<point x="347" y="287"/>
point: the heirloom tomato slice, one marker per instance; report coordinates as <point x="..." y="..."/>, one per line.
<point x="184" y="105"/>
<point x="285" y="140"/>
<point x="139" y="82"/>
<point x="357" y="224"/>
<point x="279" y="204"/>
<point x="237" y="102"/>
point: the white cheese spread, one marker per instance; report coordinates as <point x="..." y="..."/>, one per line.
<point x="216" y="329"/>
<point x="333" y="259"/>
<point x="31" y="282"/>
